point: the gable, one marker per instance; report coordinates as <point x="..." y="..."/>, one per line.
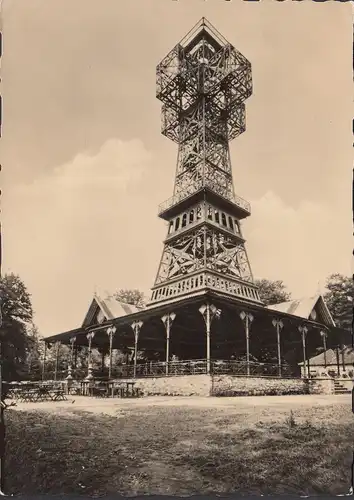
<point x="311" y="308"/>
<point x="96" y="314"/>
<point x="102" y="310"/>
<point x="320" y="313"/>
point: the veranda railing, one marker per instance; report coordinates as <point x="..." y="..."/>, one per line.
<point x="176" y="368"/>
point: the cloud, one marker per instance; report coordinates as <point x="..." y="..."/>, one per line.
<point x="92" y="223"/>
<point x="87" y="224"/>
<point x="301" y="246"/>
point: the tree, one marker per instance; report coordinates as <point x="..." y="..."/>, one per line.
<point x="34" y="354"/>
<point x="339" y="299"/>
<point x="132" y="297"/>
<point x="272" y="292"/>
<point x="17" y="314"/>
<point x="62" y="363"/>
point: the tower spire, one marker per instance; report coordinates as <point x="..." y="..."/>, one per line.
<point x="203" y="83"/>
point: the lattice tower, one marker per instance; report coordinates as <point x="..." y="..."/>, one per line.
<point x="203" y="83"/>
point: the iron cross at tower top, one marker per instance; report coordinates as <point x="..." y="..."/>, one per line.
<point x="203" y="83"/>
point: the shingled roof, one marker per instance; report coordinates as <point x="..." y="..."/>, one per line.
<point x="110" y="308"/>
<point x="331" y="357"/>
<point x="304" y="307"/>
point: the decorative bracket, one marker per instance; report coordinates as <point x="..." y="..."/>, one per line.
<point x="278" y="325"/>
<point x="209" y="312"/>
<point x="304" y="330"/>
<point x="247" y="319"/>
<point x="167" y="320"/>
<point x="110" y="332"/>
<point x="136" y="325"/>
<point x="90" y="337"/>
<point x="324" y="336"/>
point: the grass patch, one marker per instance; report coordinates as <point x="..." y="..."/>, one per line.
<point x="180" y="451"/>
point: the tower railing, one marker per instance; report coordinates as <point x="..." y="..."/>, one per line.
<point x="177" y="198"/>
<point x="202" y="280"/>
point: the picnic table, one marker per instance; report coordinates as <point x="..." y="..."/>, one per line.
<point x="106" y="389"/>
<point x="125" y="390"/>
<point x="33" y="393"/>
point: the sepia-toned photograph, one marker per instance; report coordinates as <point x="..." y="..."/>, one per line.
<point x="176" y="289"/>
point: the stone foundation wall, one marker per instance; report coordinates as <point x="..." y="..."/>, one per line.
<point x="321" y="386"/>
<point x="226" y="385"/>
<point x="183" y="385"/>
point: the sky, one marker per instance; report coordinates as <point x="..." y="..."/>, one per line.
<point x="85" y="165"/>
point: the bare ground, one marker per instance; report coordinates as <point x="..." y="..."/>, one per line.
<point x="181" y="446"/>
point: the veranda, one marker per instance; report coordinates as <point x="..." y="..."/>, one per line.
<point x="200" y="335"/>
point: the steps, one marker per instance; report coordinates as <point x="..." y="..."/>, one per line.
<point x="340" y="389"/>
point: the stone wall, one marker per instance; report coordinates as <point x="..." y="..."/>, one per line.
<point x="226" y="385"/>
<point x="183" y="385"/>
<point x="321" y="385"/>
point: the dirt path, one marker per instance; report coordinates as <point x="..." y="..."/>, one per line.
<point x="239" y="405"/>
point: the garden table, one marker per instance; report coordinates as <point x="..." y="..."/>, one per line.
<point x="29" y="395"/>
<point x="56" y="394"/>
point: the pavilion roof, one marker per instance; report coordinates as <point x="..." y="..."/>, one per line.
<point x="64" y="336"/>
<point x="331" y="357"/>
<point x="111" y="307"/>
<point x="121" y="314"/>
<point x="303" y="308"/>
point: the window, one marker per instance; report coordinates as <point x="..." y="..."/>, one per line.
<point x="210" y="213"/>
<point x="191" y="216"/>
<point x="217" y="217"/>
<point x="237" y="228"/>
<point x="223" y="219"/>
<point x="184" y="220"/>
<point x="177" y="224"/>
<point x="231" y="224"/>
<point x="170" y="227"/>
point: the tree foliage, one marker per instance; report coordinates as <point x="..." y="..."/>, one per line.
<point x="339" y="299"/>
<point x="34" y="353"/>
<point x="133" y="297"/>
<point x="17" y="314"/>
<point x="272" y="292"/>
